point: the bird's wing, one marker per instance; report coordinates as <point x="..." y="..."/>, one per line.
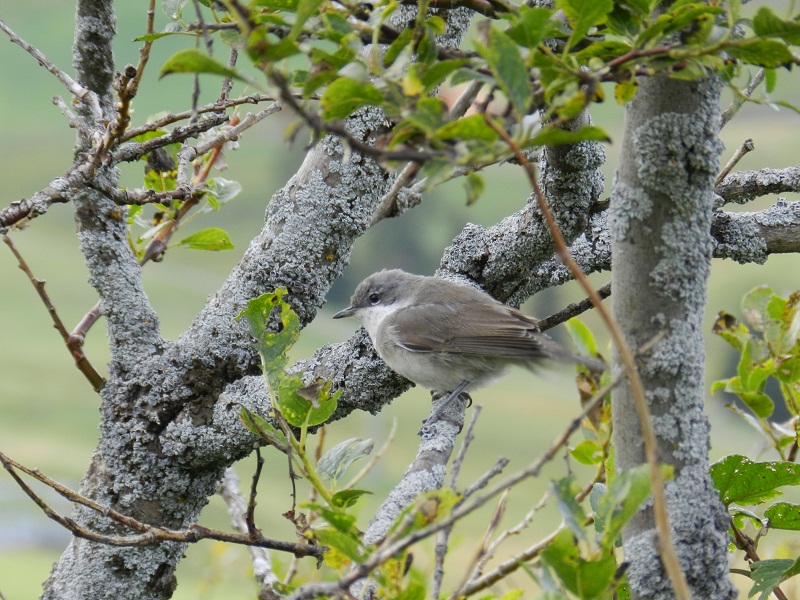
<point x="471" y="328"/>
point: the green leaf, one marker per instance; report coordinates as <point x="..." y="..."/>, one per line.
<point x="504" y="59"/>
<point x="587" y="579"/>
<point x="474" y="186"/>
<point x="438" y="72"/>
<point x="587" y="452"/>
<point x="573" y="514"/>
<point x="190" y="60"/>
<point x="347" y="498"/>
<point x="305" y="9"/>
<point x="622" y="500"/>
<point x="259" y="426"/>
<point x="221" y="190"/>
<point x="624" y="91"/>
<point x="550" y="136"/>
<point x="333" y="464"/>
<point x="160" y="181"/>
<point x="783" y="515"/>
<point x="581" y="336"/>
<point x="768" y="574"/>
<point x="763" y="53"/>
<point x="305" y="405"/>
<point x="745" y="482"/>
<point x="397" y="46"/>
<point x="346" y="543"/>
<point x="767" y="24"/>
<point x="754" y="307"/>
<point x="213" y="238"/>
<point x="583" y="15"/>
<point x="278" y="5"/>
<point x="346" y="95"/>
<point x="729" y="329"/>
<point x="532" y="27"/>
<point x="341" y="521"/>
<point x="471" y="128"/>
<point x="272" y="346"/>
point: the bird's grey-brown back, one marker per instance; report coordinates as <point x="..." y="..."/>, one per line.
<point x="439" y="333"/>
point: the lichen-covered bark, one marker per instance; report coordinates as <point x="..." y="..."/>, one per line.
<point x="660" y="223"/>
<point x="169" y="414"/>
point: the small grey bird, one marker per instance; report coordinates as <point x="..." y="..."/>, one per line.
<point x="446" y="336"/>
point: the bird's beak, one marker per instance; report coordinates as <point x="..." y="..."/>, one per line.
<point x="347" y="312"/>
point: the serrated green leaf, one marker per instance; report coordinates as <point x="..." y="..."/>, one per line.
<point x="505" y="61"/>
<point x="768" y="574"/>
<point x="550" y="136"/>
<point x="347" y="498"/>
<point x="783" y="515"/>
<point x="584" y="15"/>
<point x="345" y="95"/>
<point x="212" y="239"/>
<point x="763" y="53"/>
<point x="333" y="464"/>
<point x="190" y="60"/>
<point x="745" y="482"/>
<point x="767" y="24"/>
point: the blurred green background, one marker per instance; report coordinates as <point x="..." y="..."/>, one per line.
<point x="48" y="413"/>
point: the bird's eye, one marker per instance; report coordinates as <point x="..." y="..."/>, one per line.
<point x="374" y="298"/>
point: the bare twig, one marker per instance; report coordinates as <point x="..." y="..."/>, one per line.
<point x="83" y="364"/>
<point x="747" y="146"/>
<point x="83" y="94"/>
<point x="250" y="518"/>
<point x="738" y="101"/>
<point x="265" y="576"/>
<point x="218" y="106"/>
<point x="148" y="534"/>
<point x="573" y="310"/>
<point x="669" y="555"/>
<point x="744" y="542"/>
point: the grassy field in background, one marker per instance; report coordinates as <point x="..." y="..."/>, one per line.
<point x="48" y="414"/>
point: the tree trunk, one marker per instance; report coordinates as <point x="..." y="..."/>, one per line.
<point x="660" y="225"/>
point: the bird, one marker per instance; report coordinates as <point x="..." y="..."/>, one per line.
<point x="446" y="336"/>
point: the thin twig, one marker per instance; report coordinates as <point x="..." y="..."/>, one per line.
<point x="744" y="542"/>
<point x="148" y="534"/>
<point x="747" y="146"/>
<point x="228" y="489"/>
<point x="81" y="362"/>
<point x="737" y="103"/>
<point x="669" y="555"/>
<point x="81" y="93"/>
<point x="573" y="310"/>
<point x="250" y="517"/>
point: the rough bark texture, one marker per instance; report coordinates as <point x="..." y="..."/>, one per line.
<point x="661" y="210"/>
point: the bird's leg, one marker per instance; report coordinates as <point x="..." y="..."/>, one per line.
<point x="437" y="410"/>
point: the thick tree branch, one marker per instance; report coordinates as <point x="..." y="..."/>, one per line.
<point x="744" y="186"/>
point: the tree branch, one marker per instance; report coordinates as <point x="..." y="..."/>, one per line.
<point x="744" y="186"/>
